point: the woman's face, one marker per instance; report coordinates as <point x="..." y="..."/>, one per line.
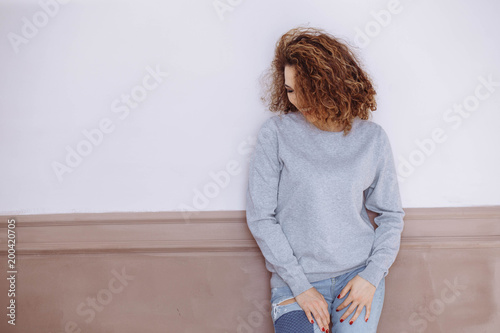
<point x="290" y="84"/>
<point x="290" y="87"/>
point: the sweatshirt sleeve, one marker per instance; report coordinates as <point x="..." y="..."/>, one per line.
<point x="261" y="203"/>
<point x="383" y="197"/>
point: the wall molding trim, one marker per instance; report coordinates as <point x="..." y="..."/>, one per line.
<point x="222" y="231"/>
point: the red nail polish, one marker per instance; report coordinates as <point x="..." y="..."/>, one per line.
<point x="323" y="329"/>
<point x="337" y="310"/>
<point x="341" y="320"/>
<point x="338" y="296"/>
<point x="366" y="319"/>
<point x="312" y="321"/>
<point x="350" y="323"/>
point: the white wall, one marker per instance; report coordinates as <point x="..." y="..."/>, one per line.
<point x="202" y="117"/>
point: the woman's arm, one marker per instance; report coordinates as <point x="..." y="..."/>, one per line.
<point x="383" y="197"/>
<point x="261" y="203"/>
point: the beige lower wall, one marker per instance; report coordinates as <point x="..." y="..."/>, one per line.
<point x="167" y="272"/>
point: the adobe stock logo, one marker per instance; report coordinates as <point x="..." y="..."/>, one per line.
<point x="453" y="117"/>
<point x="223" y="6"/>
<point x="448" y="295"/>
<point x="95" y="136"/>
<point x="219" y="180"/>
<point x="31" y="28"/>
<point x="382" y="19"/>
<point x="116" y="285"/>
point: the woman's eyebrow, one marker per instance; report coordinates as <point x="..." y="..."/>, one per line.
<point x="286" y="85"/>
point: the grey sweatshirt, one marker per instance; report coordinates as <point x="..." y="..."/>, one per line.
<point x="306" y="197"/>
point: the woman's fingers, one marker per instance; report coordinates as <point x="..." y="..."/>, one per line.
<point x="356" y="314"/>
<point x="309" y="316"/>
<point x="319" y="319"/>
<point x="326" y="314"/>
<point x="315" y="307"/>
<point x="322" y="316"/>
<point x="368" y="310"/>
<point x="348" y="312"/>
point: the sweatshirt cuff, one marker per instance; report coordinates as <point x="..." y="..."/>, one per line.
<point x="372" y="273"/>
<point x="299" y="285"/>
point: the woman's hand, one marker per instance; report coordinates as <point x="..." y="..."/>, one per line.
<point x="311" y="301"/>
<point x="361" y="294"/>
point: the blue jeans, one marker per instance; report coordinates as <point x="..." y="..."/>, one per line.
<point x="290" y="318"/>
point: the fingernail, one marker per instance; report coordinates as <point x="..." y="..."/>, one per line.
<point x="337" y="310"/>
<point x="366" y="319"/>
<point x="338" y="296"/>
<point x="341" y="320"/>
<point x="323" y="329"/>
<point x="312" y="321"/>
<point x="350" y="323"/>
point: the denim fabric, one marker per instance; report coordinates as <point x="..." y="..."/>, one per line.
<point x="290" y="318"/>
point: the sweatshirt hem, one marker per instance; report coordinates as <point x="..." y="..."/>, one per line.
<point x="277" y="281"/>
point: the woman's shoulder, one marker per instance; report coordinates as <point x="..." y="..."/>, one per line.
<point x="376" y="134"/>
<point x="294" y="119"/>
<point x="280" y="120"/>
<point x="371" y="128"/>
<point x="368" y="124"/>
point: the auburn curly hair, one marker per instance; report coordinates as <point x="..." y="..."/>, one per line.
<point x="329" y="80"/>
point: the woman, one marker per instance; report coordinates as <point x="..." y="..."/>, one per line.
<point x="317" y="169"/>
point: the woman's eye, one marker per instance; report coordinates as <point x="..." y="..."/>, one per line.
<point x="289" y="91"/>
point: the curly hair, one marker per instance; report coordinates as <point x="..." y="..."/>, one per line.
<point x="329" y="79"/>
